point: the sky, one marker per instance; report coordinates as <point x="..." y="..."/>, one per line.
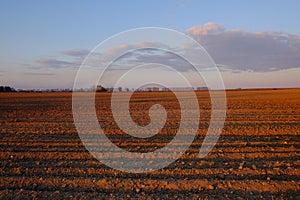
<point x="254" y="43"/>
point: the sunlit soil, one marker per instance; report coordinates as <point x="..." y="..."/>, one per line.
<point x="257" y="155"/>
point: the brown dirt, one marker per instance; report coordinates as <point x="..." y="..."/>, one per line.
<point x="257" y="155"/>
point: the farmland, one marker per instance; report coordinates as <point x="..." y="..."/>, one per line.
<point x="256" y="156"/>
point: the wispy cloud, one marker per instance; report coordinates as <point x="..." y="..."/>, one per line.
<point x="50" y="63"/>
<point x="38" y="73"/>
<point x="249" y="51"/>
<point x="76" y="52"/>
<point x="149" y="55"/>
<point x="67" y="59"/>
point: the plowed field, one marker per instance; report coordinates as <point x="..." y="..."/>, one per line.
<point x="256" y="156"/>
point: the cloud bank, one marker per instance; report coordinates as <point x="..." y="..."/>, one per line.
<point x="234" y="50"/>
<point x="248" y="51"/>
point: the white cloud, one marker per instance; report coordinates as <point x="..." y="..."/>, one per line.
<point x="209" y="28"/>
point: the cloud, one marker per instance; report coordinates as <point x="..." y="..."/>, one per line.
<point x="76" y="52"/>
<point x="129" y="47"/>
<point x="248" y="51"/>
<point x="125" y="56"/>
<point x="39" y="73"/>
<point x="150" y="55"/>
<point x="70" y="59"/>
<point x="209" y="28"/>
<point x="235" y="50"/>
<point x="53" y="63"/>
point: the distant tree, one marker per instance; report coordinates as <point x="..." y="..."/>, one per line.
<point x="93" y="88"/>
<point x="7" y="89"/>
<point x="120" y="89"/>
<point x="100" y="88"/>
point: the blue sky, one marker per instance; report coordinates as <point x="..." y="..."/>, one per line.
<point x="35" y="30"/>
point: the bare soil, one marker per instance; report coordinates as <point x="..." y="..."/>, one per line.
<point x="257" y="155"/>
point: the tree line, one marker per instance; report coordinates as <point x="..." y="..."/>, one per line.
<point x="7" y="89"/>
